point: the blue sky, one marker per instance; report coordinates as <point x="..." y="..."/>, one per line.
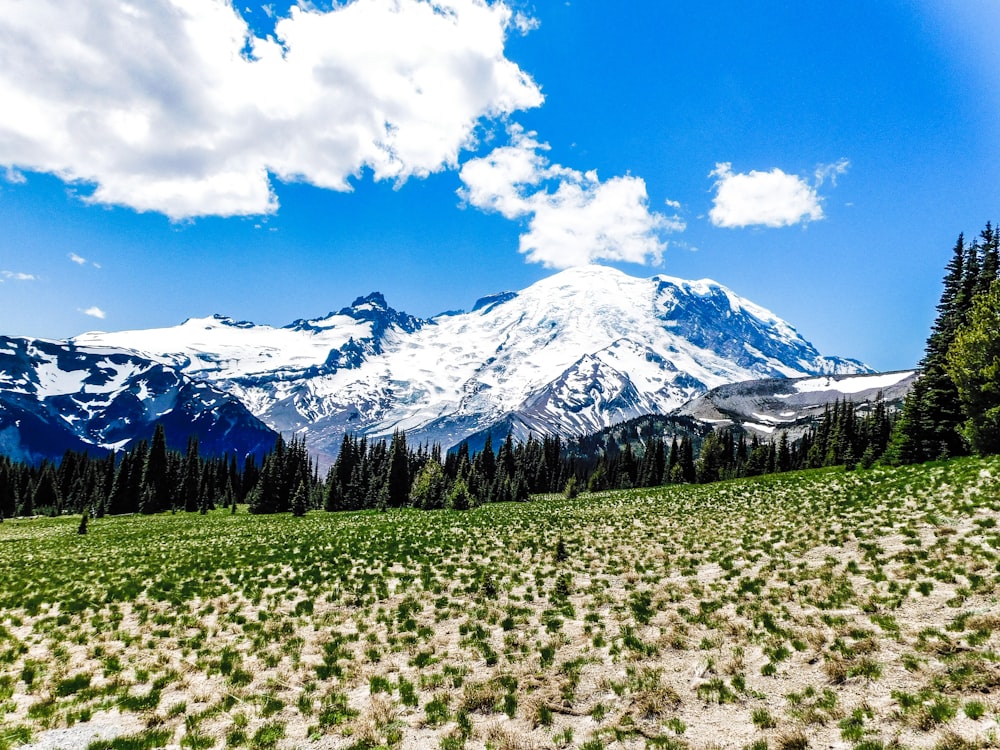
<point x="176" y="158"/>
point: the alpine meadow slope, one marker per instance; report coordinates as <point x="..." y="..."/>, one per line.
<point x="573" y="353"/>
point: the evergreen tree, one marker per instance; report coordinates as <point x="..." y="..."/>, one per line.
<point x="908" y="443"/>
<point x="713" y="458"/>
<point x="264" y="496"/>
<point x="989" y="270"/>
<point x="506" y="458"/>
<point x="430" y="486"/>
<point x="518" y="492"/>
<point x="686" y="463"/>
<point x="299" y="500"/>
<point x="398" y="479"/>
<point x="932" y="412"/>
<point x="672" y="461"/>
<point x="45" y="496"/>
<point x="190" y="489"/>
<point x="974" y="365"/>
<point x="485" y="463"/>
<point x="155" y="478"/>
<point x="628" y="469"/>
<point x="783" y="461"/>
<point x="26" y="506"/>
<point x="572" y="489"/>
<point x="459" y="497"/>
<point x="8" y="501"/>
<point x="598" y="480"/>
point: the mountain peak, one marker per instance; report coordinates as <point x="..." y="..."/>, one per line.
<point x="374" y="300"/>
<point x="490" y="301"/>
<point x="588" y="272"/>
<point x="375" y="309"/>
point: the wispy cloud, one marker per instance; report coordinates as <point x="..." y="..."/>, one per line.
<point x="573" y="217"/>
<point x="177" y="107"/>
<point x="769" y="199"/>
<point x="17" y="276"/>
<point x="831" y="172"/>
<point x="14" y="177"/>
<point x="95" y="312"/>
<point x="524" y="23"/>
<point x="79" y="260"/>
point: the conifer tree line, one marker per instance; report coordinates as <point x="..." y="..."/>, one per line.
<point x="847" y="434"/>
<point x="149" y="478"/>
<point x="379" y="475"/>
<point x="954" y="407"/>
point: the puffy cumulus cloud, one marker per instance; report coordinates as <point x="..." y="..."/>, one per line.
<point x="770" y="199"/>
<point x="573" y="217"/>
<point x="176" y="106"/>
<point x="95" y="312"/>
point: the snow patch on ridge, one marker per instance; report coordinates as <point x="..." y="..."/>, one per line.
<point x="853" y="384"/>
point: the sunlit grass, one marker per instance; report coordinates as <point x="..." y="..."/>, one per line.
<point x="823" y="607"/>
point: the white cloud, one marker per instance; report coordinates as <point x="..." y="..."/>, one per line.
<point x="525" y="24"/>
<point x="770" y="199"/>
<point x="95" y="312"/>
<point x="16" y="276"/>
<point x="573" y="217"/>
<point x="76" y="259"/>
<point x="174" y="106"/>
<point x="14" y="177"/>
<point x="831" y="172"/>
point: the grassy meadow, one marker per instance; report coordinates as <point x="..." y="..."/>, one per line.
<point x="817" y="609"/>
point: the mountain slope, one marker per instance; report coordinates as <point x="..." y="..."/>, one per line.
<point x="570" y="354"/>
<point x="794" y="405"/>
<point x="56" y="396"/>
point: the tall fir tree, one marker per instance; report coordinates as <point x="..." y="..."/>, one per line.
<point x="300" y="500"/>
<point x="398" y="478"/>
<point x="45" y="494"/>
<point x="155" y="477"/>
<point x="264" y="496"/>
<point x="932" y="411"/>
<point x="989" y="270"/>
<point x="190" y="489"/>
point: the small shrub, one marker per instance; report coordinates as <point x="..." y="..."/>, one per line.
<point x="975" y="710"/>
<point x="792" y="740"/>
<point x="436" y="710"/>
<point x="72" y="685"/>
<point x="267" y="736"/>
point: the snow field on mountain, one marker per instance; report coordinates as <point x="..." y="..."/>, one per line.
<point x="852" y="385"/>
<point x="570" y="354"/>
<point x="219" y="348"/>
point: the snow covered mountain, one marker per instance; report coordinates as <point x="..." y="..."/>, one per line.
<point x="56" y="396"/>
<point x="573" y="353"/>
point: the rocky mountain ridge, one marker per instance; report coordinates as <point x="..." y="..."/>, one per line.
<point x="57" y="396"/>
